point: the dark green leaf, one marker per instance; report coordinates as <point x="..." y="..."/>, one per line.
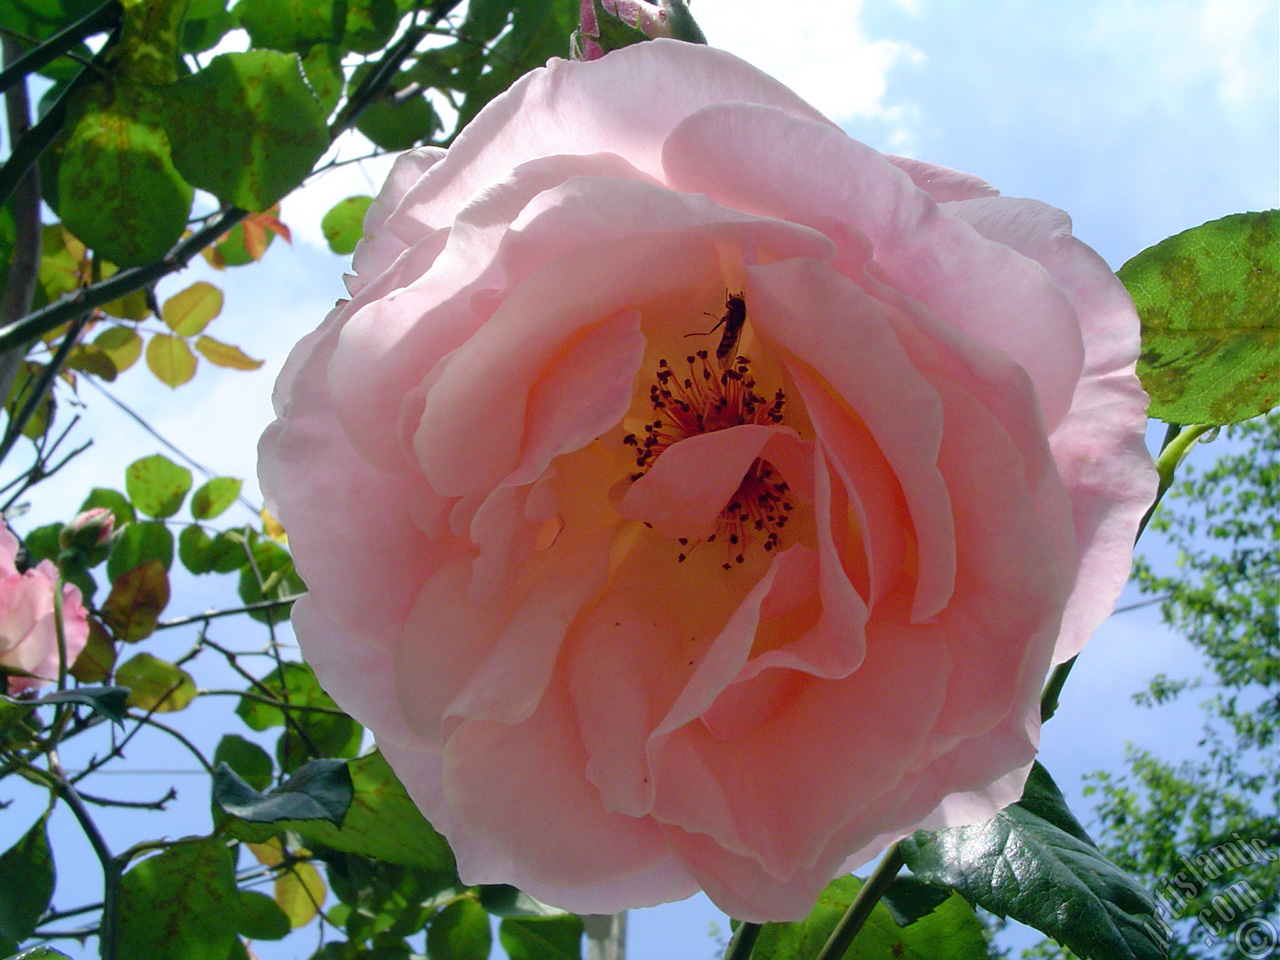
<point x="343" y="225"/>
<point x="214" y="497"/>
<point x="382" y="822"/>
<point x="250" y="762"/>
<point x="292" y="25"/>
<point x="1209" y="299"/>
<point x="460" y="932"/>
<point x="201" y="553"/>
<point x="156" y="684"/>
<point x="42" y="543"/>
<point x="137" y="544"/>
<point x="247" y="128"/>
<point x="950" y="932"/>
<point x="260" y="918"/>
<point x="502" y="900"/>
<point x="542" y="938"/>
<point x="108" y="701"/>
<point x="156" y="485"/>
<point x="180" y="903"/>
<point x="26" y="883"/>
<point x="395" y="121"/>
<point x="370" y="24"/>
<point x="118" y="187"/>
<point x="1034" y="862"/>
<point x="908" y="899"/>
<point x="319" y="790"/>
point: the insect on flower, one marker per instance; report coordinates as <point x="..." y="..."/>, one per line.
<point x="735" y="315"/>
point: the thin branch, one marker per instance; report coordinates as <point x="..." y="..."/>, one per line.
<point x="228" y="612"/>
<point x="19" y="421"/>
<point x="160" y="804"/>
<point x="868" y="896"/>
<point x="282" y="705"/>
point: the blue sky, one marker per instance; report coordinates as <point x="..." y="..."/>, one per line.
<point x="1141" y="118"/>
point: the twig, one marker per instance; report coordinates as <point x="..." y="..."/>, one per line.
<point x="228" y="612"/>
<point x="862" y="905"/>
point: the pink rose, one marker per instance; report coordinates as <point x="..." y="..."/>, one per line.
<point x="28" y="634"/>
<point x="629" y="619"/>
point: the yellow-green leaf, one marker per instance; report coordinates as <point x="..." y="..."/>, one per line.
<point x="224" y="355"/>
<point x="189" y="311"/>
<point x="300" y="892"/>
<point x="171" y="360"/>
<point x="156" y="684"/>
<point x="122" y="345"/>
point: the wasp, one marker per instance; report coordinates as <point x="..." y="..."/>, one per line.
<point x="735" y="315"/>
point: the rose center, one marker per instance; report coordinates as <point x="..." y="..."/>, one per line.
<point x="712" y="394"/>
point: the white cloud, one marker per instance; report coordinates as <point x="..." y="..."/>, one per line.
<point x="820" y="49"/>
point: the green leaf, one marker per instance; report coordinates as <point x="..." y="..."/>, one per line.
<point x="292" y="25"/>
<point x="26" y="883"/>
<point x="370" y="24"/>
<point x="180" y="903"/>
<point x="332" y="734"/>
<point x="1034" y="862"/>
<point x="260" y="918"/>
<point x="136" y="601"/>
<point x="190" y="310"/>
<point x="323" y="70"/>
<point x="214" y="497"/>
<point x="156" y="684"/>
<point x="40" y="953"/>
<point x="1209" y="299"/>
<point x="343" y="225"/>
<point x="300" y="892"/>
<point x="951" y="932"/>
<point x="199" y="35"/>
<point x="542" y="938"/>
<point x="460" y="932"/>
<point x="118" y="188"/>
<point x="274" y="578"/>
<point x="201" y="553"/>
<point x="249" y="761"/>
<point x="246" y="128"/>
<point x="138" y="543"/>
<point x="156" y="485"/>
<point x="393" y="123"/>
<point x="319" y="790"/>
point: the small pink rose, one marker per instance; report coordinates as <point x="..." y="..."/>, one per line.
<point x="694" y="497"/>
<point x="28" y="632"/>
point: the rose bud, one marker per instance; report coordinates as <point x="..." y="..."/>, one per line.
<point x="87" y="539"/>
<point x="694" y="497"/>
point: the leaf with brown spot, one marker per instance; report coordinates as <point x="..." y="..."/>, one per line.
<point x="137" y="599"/>
<point x="1209" y="300"/>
